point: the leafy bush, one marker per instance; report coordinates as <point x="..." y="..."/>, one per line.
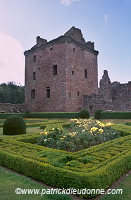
<point x="84" y="114"/>
<point x="83" y="134"/>
<point x="14" y="125"/>
<point x="97" y="114"/>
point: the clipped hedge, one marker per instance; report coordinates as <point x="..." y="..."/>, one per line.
<point x="123" y="129"/>
<point x="115" y="115"/>
<point x="43" y="115"/>
<point x="128" y="123"/>
<point x="95" y="167"/>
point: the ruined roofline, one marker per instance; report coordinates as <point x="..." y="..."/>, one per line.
<point x="62" y="39"/>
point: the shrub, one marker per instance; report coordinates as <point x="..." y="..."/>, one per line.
<point x="97" y="114"/>
<point x="84" y="114"/>
<point x="128" y="123"/>
<point x="84" y="133"/>
<point x="14" y="125"/>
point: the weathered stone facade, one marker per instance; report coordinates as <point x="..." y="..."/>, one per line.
<point x="111" y="96"/>
<point x="62" y="76"/>
<point x="59" y="72"/>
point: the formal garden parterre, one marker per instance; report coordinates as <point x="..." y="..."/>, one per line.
<point x="95" y="167"/>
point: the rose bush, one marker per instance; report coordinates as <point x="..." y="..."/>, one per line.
<point x="83" y="133"/>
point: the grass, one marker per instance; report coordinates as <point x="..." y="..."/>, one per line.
<point x="126" y="195"/>
<point x="28" y="129"/>
<point x="10" y="181"/>
<point x="13" y="180"/>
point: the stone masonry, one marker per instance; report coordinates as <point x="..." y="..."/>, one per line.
<point x="59" y="72"/>
<point x="111" y="96"/>
<point x="12" y="108"/>
<point x="62" y="76"/>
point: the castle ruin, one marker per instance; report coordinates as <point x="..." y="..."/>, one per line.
<point x="62" y="76"/>
<point x="59" y="72"/>
<point x="111" y="96"/>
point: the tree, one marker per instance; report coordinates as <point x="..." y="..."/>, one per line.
<point x="12" y="93"/>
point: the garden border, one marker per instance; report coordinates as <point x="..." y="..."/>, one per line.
<point x="101" y="177"/>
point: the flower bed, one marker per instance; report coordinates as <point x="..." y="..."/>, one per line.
<point x="95" y="167"/>
<point x="83" y="133"/>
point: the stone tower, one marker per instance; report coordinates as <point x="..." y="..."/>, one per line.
<point x="59" y="72"/>
<point x="106" y="87"/>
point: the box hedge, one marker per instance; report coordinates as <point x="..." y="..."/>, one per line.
<point x="123" y="129"/>
<point x="128" y="123"/>
<point x="43" y="115"/>
<point x="95" y="167"/>
<point x="115" y="115"/>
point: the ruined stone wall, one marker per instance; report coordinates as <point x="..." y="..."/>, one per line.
<point x="111" y="96"/>
<point x="106" y="87"/>
<point x="11" y="108"/>
<point x="121" y="96"/>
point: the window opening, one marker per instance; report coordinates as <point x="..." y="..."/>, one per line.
<point x="74" y="49"/>
<point x="47" y="92"/>
<point x="34" y="75"/>
<point x="72" y="72"/>
<point x="34" y="58"/>
<point x="33" y="94"/>
<point x="54" y="70"/>
<point x="85" y="73"/>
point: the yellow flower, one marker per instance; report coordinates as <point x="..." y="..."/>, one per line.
<point x="73" y="120"/>
<point x="78" y="122"/>
<point x="109" y="124"/>
<point x="45" y="133"/>
<point x="93" y="129"/>
<point x="100" y="130"/>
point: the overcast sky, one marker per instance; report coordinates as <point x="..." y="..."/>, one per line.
<point x="105" y="22"/>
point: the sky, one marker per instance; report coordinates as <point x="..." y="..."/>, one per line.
<point x="107" y="23"/>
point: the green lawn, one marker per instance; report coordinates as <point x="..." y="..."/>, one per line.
<point x="28" y="130"/>
<point x="9" y="181"/>
<point x="126" y="186"/>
